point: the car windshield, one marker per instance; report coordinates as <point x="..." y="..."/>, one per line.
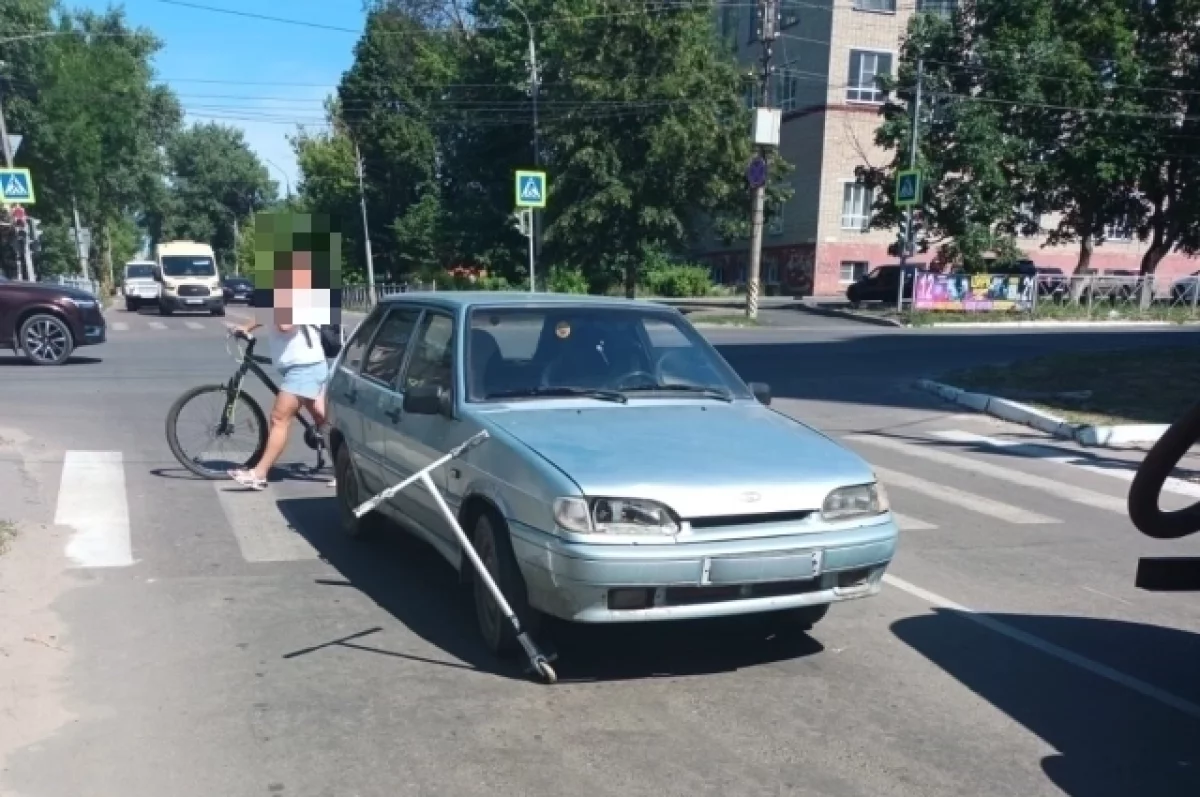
<point x="140" y="271"/>
<point x="188" y="266"/>
<point x="595" y="352"/>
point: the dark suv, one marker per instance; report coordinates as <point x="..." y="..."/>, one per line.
<point x="46" y="323"/>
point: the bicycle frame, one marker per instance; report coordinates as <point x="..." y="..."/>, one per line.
<point x="250" y="364"/>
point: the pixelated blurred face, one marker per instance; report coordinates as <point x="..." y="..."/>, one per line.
<point x="297" y="268"/>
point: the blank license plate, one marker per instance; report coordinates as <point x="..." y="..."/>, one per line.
<point x="195" y="301"/>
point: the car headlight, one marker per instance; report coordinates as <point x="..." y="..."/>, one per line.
<point x="860" y="500"/>
<point x="83" y="304"/>
<point x="628" y="516"/>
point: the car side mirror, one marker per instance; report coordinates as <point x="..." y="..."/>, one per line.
<point x="761" y="391"/>
<point x="158" y="274"/>
<point x="428" y="400"/>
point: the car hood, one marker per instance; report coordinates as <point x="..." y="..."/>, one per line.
<point x="701" y="459"/>
<point x="48" y="291"/>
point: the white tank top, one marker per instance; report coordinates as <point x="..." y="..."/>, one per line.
<point x="292" y="348"/>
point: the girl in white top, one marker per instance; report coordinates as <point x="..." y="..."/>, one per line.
<point x="297" y="352"/>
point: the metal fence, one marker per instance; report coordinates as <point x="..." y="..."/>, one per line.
<point x="1049" y="295"/>
<point x="358" y="297"/>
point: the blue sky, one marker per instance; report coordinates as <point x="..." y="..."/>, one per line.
<point x="263" y="77"/>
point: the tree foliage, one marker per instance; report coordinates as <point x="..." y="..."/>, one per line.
<point x="641" y="128"/>
<point x="1071" y="109"/>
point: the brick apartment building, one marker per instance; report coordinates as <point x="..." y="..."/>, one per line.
<point x="826" y="59"/>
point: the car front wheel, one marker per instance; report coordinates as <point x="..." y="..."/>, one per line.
<point x="495" y="550"/>
<point x="46" y="340"/>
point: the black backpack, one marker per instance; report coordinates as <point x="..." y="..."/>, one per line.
<point x="331" y="339"/>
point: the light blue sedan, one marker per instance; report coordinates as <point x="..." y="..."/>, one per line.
<point x="629" y="475"/>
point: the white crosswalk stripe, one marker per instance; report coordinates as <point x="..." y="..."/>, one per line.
<point x="1059" y="456"/>
<point x="963" y="464"/>
<point x="120" y="326"/>
<point x="193" y="325"/>
<point x="157" y="325"/>
<point x="961" y="498"/>
<point x="92" y="502"/>
<point x="263" y="535"/>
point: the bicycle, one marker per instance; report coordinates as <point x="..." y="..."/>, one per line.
<point x="227" y="421"/>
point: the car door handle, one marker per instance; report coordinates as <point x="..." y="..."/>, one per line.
<point x="394" y="414"/>
<point x="351" y="396"/>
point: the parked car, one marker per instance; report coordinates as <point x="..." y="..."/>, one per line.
<point x="138" y="285"/>
<point x="46" y="323"/>
<point x="238" y="289"/>
<point x="882" y="284"/>
<point x="630" y="473"/>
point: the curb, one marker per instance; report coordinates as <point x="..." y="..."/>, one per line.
<point x="1009" y="410"/>
<point x="849" y="315"/>
<point x="1059" y="324"/>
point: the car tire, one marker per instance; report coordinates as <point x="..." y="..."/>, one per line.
<point x="219" y="311"/>
<point x="131" y="305"/>
<point x="45" y="339"/>
<point x="494" y="547"/>
<point x="350" y="495"/>
<point x="164" y="310"/>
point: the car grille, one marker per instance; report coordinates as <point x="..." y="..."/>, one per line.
<point x="193" y="290"/>
<point x="720" y="521"/>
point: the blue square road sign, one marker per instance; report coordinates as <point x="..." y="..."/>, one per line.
<point x="531" y="189"/>
<point x="16" y="187"/>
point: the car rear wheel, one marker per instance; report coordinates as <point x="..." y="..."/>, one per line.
<point x="131" y="305"/>
<point x="495" y="550"/>
<point x="46" y="340"/>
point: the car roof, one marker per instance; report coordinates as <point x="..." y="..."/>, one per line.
<point x="454" y="300"/>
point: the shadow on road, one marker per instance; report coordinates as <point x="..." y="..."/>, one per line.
<point x="878" y="368"/>
<point x="19" y="360"/>
<point x="1110" y="740"/>
<point x="412" y="582"/>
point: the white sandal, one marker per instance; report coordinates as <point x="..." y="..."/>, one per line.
<point x="246" y="478"/>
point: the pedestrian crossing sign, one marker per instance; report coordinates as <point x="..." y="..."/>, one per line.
<point x="531" y="189"/>
<point x="908" y="188"/>
<point x="16" y="187"/>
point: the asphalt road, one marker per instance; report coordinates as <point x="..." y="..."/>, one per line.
<point x="247" y="649"/>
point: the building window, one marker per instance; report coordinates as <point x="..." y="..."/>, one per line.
<point x="772" y="274"/>
<point x="852" y="271"/>
<point x="942" y="8"/>
<point x="888" y="6"/>
<point x="785" y="86"/>
<point x="856" y="206"/>
<point x="865" y="67"/>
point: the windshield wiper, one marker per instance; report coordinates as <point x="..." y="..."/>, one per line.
<point x="550" y="392"/>
<point x="698" y="390"/>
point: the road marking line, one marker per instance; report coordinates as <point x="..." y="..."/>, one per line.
<point x="193" y="325"/>
<point x="1049" y="648"/>
<point x="92" y="501"/>
<point x="966" y="465"/>
<point x="952" y="495"/>
<point x="907" y="523"/>
<point x="261" y="531"/>
<point x="120" y="326"/>
<point x="1173" y="485"/>
<point x="157" y="325"/>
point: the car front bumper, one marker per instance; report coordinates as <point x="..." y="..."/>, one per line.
<point x="695" y="580"/>
<point x="194" y="303"/>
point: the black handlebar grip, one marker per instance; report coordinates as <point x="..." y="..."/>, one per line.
<point x="1152" y="474"/>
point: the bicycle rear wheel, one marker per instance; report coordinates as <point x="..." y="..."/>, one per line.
<point x="240" y="445"/>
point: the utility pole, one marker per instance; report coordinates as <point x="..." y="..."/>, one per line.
<point x="362" y="201"/>
<point x="766" y="134"/>
<point x="80" y="249"/>
<point x="534" y="89"/>
<point x="909" y="249"/>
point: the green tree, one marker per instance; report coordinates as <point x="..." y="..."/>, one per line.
<point x="216" y="184"/>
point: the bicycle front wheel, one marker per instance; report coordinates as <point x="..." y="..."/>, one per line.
<point x="209" y="447"/>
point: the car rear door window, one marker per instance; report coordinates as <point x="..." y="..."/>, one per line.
<point x="356" y="347"/>
<point x="432" y="360"/>
<point x="385" y="356"/>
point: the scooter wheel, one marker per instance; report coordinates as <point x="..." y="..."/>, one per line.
<point x="546" y="671"/>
